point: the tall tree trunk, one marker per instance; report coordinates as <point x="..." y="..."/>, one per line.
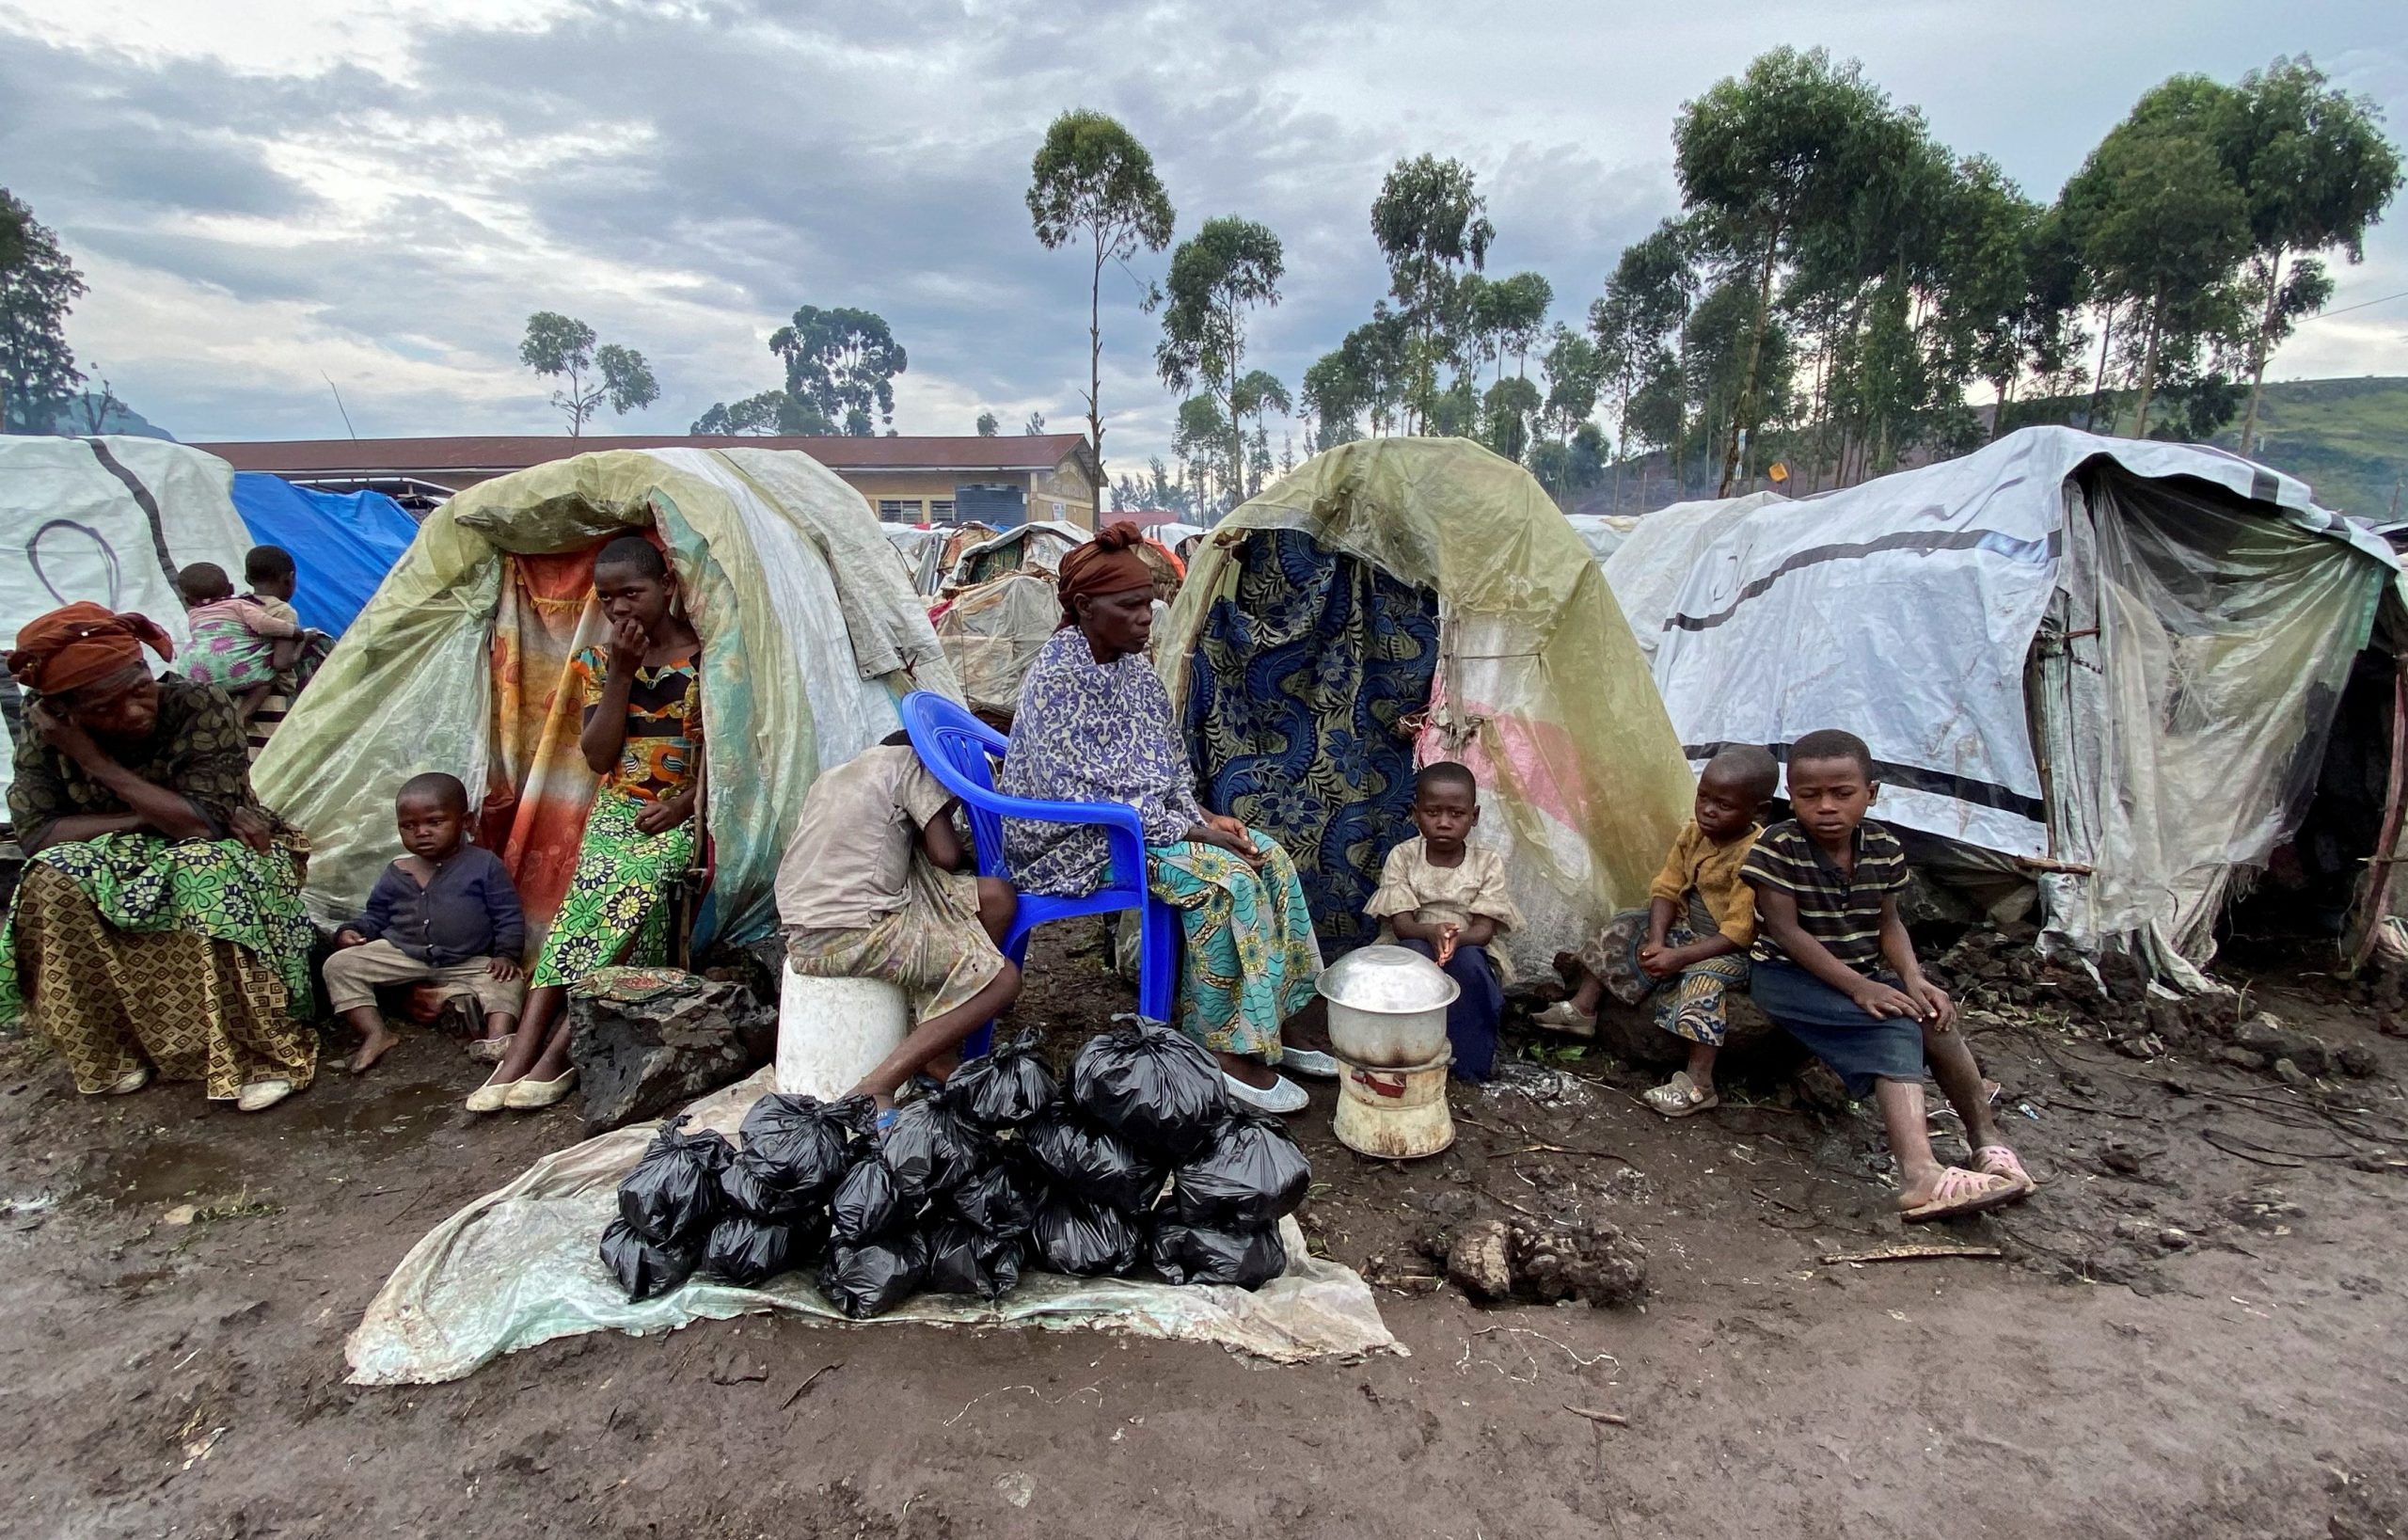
<point x="1755" y="351"/>
<point x="2265" y="346"/>
<point x="1095" y="371"/>
<point x="2099" y="386"/>
<point x="2148" y="363"/>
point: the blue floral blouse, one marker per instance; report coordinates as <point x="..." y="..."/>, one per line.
<point x="1090" y="732"/>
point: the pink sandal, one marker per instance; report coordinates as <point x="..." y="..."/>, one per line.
<point x="1998" y="1160"/>
<point x="1961" y="1192"/>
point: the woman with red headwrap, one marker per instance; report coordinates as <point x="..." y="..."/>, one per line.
<point x="1093" y="725"/>
<point x="158" y="926"/>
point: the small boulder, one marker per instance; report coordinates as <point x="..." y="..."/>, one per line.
<point x="1480" y="1260"/>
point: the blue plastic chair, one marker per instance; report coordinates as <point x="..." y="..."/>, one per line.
<point x="961" y="752"/>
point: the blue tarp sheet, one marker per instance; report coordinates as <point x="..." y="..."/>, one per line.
<point x="343" y="543"/>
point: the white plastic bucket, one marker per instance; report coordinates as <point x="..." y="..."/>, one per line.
<point x="833" y="1031"/>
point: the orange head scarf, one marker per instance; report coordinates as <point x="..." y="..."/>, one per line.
<point x="1109" y="563"/>
<point x="80" y="643"/>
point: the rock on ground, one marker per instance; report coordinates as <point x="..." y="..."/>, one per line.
<point x="1497" y="1261"/>
<point x="639" y="1060"/>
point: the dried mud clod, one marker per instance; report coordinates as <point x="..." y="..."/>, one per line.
<point x="1497" y="1260"/>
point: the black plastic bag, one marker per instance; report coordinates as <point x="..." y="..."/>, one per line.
<point x="1004" y="1090"/>
<point x="864" y="1204"/>
<point x="753" y="1189"/>
<point x="963" y="1260"/>
<point x="1152" y="1087"/>
<point x="1000" y="1200"/>
<point x="1249" y="1256"/>
<point x="1251" y="1174"/>
<point x="643" y="1269"/>
<point x="802" y="1147"/>
<point x="864" y="1279"/>
<point x="673" y="1195"/>
<point x="1098" y="1165"/>
<point x="930" y="1152"/>
<point x="1082" y="1239"/>
<point x="747" y="1251"/>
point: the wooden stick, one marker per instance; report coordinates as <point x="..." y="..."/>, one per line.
<point x="1912" y="1253"/>
<point x="1611" y="1420"/>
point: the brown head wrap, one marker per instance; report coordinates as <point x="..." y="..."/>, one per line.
<point x="81" y="644"/>
<point x="1109" y="563"/>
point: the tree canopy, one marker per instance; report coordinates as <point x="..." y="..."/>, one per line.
<point x="37" y="287"/>
<point x="563" y="348"/>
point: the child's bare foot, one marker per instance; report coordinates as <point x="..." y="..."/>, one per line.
<point x="373" y="1046"/>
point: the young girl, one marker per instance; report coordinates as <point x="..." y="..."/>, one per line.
<point x="1446" y="898"/>
<point x="644" y="735"/>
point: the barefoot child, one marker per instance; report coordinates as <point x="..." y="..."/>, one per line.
<point x="237" y="645"/>
<point x="1446" y="898"/>
<point x="445" y="913"/>
<point x="1699" y="923"/>
<point x="1835" y="967"/>
<point x="876" y="883"/>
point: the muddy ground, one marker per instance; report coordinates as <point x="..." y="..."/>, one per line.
<point x="2192" y="1331"/>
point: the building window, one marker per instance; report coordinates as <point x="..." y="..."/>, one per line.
<point x="940" y="509"/>
<point x="1057" y="510"/>
<point x="900" y="509"/>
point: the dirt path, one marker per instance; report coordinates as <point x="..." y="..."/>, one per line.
<point x="181" y="1280"/>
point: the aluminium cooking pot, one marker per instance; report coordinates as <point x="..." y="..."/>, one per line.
<point x="1388" y="1007"/>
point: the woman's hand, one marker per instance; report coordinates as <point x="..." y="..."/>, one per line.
<point x="252" y="829"/>
<point x="629" y="642"/>
<point x="1226" y="833"/>
<point x="666" y="813"/>
<point x="63" y="735"/>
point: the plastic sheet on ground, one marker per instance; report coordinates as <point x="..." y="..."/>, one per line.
<point x="521" y="1265"/>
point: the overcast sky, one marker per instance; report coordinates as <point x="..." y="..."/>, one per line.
<point x="265" y="195"/>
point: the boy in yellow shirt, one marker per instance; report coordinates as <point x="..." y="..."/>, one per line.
<point x="1690" y="947"/>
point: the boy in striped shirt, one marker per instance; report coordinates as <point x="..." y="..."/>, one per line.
<point x="1833" y="967"/>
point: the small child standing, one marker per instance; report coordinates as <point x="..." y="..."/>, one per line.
<point x="445" y="913"/>
<point x="1835" y="969"/>
<point x="877" y="883"/>
<point x="1445" y="898"/>
<point x="1689" y="947"/>
<point x="236" y="644"/>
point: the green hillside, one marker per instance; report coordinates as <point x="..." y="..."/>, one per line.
<point x="2346" y="438"/>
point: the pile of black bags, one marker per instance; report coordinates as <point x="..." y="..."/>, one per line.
<point x="1143" y="1170"/>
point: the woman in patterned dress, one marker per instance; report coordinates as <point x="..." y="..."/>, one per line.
<point x="158" y="927"/>
<point x="1093" y="725"/>
<point x="644" y="735"/>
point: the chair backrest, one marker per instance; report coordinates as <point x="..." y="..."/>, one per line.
<point x="961" y="750"/>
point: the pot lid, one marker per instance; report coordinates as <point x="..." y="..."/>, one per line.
<point x="1388" y="980"/>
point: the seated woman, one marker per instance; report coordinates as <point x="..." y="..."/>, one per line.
<point x="1095" y="726"/>
<point x="158" y="927"/>
<point x="644" y="735"/>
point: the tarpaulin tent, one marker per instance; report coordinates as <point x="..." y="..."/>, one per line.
<point x="111" y="520"/>
<point x="1647" y="567"/>
<point x="1403" y="600"/>
<point x="342" y="543"/>
<point x="993" y="632"/>
<point x="1603" y="533"/>
<point x="1041" y="542"/>
<point x="922" y="551"/>
<point x="2112" y="661"/>
<point x="809" y="635"/>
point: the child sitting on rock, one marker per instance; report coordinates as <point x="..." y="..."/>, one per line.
<point x="1834" y="968"/>
<point x="1446" y="898"/>
<point x="445" y="914"/>
<point x="877" y="883"/>
<point x="1690" y="945"/>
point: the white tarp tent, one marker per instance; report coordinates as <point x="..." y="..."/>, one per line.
<point x="110" y="520"/>
<point x="2171" y="625"/>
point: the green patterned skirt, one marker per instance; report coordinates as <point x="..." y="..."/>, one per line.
<point x="1251" y="957"/>
<point x="617" y="908"/>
